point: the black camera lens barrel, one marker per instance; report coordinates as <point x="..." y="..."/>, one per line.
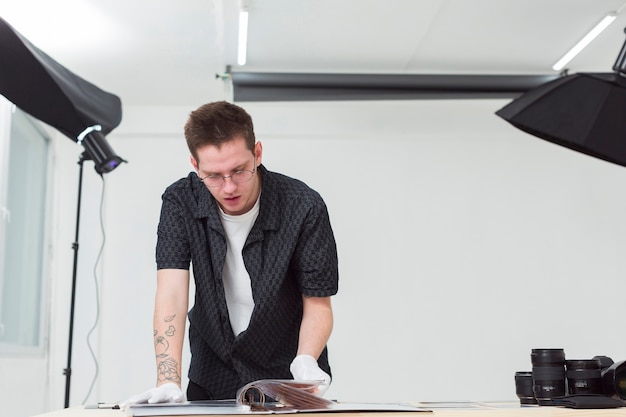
<point x="583" y="376"/>
<point x="524" y="387"/>
<point x="548" y="373"/>
<point x="614" y="380"/>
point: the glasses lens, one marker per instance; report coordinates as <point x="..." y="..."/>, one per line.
<point x="214" y="181"/>
<point x="218" y="180"/>
<point x="242" y="176"/>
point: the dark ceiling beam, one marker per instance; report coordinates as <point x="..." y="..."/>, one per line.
<point x="271" y="86"/>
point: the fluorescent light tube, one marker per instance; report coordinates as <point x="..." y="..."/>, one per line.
<point x="593" y="33"/>
<point x="243" y="38"/>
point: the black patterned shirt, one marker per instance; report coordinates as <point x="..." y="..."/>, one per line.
<point x="289" y="252"/>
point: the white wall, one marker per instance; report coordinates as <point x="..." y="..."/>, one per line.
<point x="463" y="242"/>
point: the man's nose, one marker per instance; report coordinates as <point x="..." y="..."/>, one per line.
<point x="229" y="184"/>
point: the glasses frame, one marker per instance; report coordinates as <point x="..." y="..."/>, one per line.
<point x="231" y="176"/>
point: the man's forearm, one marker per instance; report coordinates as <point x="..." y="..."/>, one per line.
<point x="168" y="341"/>
<point x="170" y="315"/>
<point x="316" y="326"/>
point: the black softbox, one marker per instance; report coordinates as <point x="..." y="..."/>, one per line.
<point x="585" y="112"/>
<point x="48" y="91"/>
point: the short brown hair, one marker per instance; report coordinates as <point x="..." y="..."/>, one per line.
<point x="216" y="123"/>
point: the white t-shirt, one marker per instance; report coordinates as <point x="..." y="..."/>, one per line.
<point x="236" y="278"/>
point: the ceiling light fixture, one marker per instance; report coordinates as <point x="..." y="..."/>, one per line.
<point x="243" y="35"/>
<point x="586" y="40"/>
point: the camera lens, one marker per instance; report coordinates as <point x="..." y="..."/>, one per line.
<point x="614" y="380"/>
<point x="524" y="387"/>
<point x="583" y="376"/>
<point x="548" y="374"/>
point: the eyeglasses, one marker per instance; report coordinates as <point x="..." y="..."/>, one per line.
<point x="238" y="177"/>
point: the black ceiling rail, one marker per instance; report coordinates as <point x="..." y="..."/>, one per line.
<point x="274" y="86"/>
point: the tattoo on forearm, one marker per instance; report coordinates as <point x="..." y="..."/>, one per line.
<point x="167" y="367"/>
<point x="161" y="345"/>
<point x="168" y="370"/>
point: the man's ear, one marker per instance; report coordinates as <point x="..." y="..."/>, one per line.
<point x="194" y="163"/>
<point x="258" y="153"/>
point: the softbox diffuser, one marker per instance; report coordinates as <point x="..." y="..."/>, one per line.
<point x="48" y="91"/>
<point x="585" y="112"/>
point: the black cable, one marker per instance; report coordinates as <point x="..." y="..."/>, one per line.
<point x="97" y="293"/>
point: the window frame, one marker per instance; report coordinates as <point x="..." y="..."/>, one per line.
<point x="7" y="115"/>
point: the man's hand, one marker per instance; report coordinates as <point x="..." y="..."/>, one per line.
<point x="305" y="368"/>
<point x="166" y="393"/>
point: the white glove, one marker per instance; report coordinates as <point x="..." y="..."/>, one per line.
<point x="305" y="368"/>
<point x="166" y="393"/>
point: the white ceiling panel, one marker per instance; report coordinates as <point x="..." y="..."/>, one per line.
<point x="168" y="52"/>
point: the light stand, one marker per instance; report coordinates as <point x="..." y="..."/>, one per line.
<point x="68" y="370"/>
<point x="105" y="160"/>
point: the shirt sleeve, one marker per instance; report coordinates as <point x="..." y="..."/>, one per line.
<point x="316" y="254"/>
<point x="172" y="249"/>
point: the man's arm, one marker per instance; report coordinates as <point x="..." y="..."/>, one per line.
<point x="315" y="329"/>
<point x="316" y="326"/>
<point x="170" y="315"/>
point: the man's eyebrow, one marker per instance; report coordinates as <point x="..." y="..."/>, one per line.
<point x="240" y="167"/>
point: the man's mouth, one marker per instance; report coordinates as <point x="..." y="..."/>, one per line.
<point x="231" y="200"/>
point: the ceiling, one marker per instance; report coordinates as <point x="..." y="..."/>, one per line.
<point x="175" y="52"/>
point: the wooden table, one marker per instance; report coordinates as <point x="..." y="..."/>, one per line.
<point x="487" y="409"/>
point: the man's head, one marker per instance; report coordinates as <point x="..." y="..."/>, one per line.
<point x="225" y="155"/>
<point x="217" y="123"/>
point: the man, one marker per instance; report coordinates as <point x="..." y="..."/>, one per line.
<point x="264" y="263"/>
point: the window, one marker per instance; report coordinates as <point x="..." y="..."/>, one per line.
<point x="23" y="177"/>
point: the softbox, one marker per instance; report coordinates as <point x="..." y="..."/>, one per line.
<point x="585" y="112"/>
<point x="48" y="91"/>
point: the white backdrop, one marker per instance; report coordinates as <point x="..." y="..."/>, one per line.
<point x="463" y="243"/>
